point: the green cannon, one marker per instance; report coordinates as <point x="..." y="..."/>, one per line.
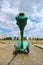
<point x="21" y="19"/>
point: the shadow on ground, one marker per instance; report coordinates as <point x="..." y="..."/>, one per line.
<point x="15" y="53"/>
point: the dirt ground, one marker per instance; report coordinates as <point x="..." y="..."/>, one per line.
<point x="8" y="57"/>
<point x="14" y="41"/>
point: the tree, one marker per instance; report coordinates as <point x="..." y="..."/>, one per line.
<point x="14" y="38"/>
<point x="7" y="38"/>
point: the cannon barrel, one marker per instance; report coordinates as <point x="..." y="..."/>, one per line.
<point x="21" y="22"/>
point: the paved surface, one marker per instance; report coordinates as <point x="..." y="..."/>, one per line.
<point x="39" y="45"/>
<point x="35" y="57"/>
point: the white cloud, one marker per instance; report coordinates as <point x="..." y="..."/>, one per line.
<point x="29" y="24"/>
<point x="33" y="8"/>
<point x="38" y="14"/>
<point x="38" y="31"/>
<point x="7" y="8"/>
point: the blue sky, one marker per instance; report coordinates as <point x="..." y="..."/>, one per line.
<point x="10" y="8"/>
